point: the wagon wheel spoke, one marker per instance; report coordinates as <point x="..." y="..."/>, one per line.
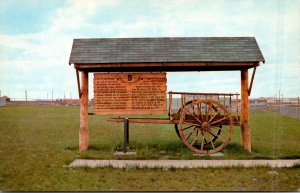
<point x="210" y="131"/>
<point x="212" y="143"/>
<point x="207" y="111"/>
<point x="190" y="133"/>
<point x="187" y="127"/>
<point x="215" y="132"/>
<point x="223" y="128"/>
<point x="216" y="136"/>
<point x="199" y="111"/>
<point x="203" y="138"/>
<point x="196" y="138"/>
<point x="195" y="116"/>
<point x="217" y="121"/>
<point x="215" y="108"/>
<point x="214" y="115"/>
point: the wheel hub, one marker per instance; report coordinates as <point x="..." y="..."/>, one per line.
<point x="205" y="126"/>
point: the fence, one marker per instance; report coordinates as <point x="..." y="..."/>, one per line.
<point x="290" y="111"/>
<point x="56" y="102"/>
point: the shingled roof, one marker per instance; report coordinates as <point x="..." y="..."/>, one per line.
<point x="177" y="49"/>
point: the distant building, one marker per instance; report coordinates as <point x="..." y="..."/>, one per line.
<point x="7" y="99"/>
<point x="72" y="102"/>
<point x="3" y="100"/>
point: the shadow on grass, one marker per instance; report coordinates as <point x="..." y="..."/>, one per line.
<point x="105" y="147"/>
<point x="168" y="146"/>
<point x="296" y="166"/>
<point x="291" y="157"/>
<point x="145" y="149"/>
<point x="236" y="149"/>
<point x="149" y="149"/>
<point x="167" y="150"/>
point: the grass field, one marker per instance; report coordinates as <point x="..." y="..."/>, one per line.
<point x="38" y="142"/>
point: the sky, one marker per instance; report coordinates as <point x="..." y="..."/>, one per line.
<point x="36" y="39"/>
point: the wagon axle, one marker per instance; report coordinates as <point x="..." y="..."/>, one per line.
<point x="205" y="126"/>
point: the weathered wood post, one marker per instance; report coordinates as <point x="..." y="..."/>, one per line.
<point x="84" y="102"/>
<point x="245" y="127"/>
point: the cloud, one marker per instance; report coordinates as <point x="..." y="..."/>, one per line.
<point x="75" y="15"/>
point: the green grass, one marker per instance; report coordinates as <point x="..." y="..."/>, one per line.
<point x="38" y="142"/>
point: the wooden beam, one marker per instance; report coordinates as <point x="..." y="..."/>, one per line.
<point x="145" y="120"/>
<point x="161" y="121"/>
<point x="84" y="102"/>
<point x="208" y="94"/>
<point x="245" y="127"/>
<point x="251" y="82"/>
<point x="166" y="69"/>
<point x="165" y="64"/>
<point x="78" y="83"/>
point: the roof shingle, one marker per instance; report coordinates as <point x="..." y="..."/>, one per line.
<point x="174" y="49"/>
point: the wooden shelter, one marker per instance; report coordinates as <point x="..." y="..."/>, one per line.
<point x="168" y="54"/>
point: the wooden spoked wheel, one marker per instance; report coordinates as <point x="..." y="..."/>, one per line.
<point x="205" y="142"/>
<point x="205" y="126"/>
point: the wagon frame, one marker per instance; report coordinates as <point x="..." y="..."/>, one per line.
<point x="210" y="119"/>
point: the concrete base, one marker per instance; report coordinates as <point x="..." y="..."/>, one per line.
<point x="218" y="154"/>
<point x="121" y="153"/>
<point x="183" y="163"/>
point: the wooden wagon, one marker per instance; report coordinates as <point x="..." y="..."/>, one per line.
<point x="204" y="122"/>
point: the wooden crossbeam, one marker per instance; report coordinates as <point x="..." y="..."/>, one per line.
<point x="78" y="83"/>
<point x="251" y="82"/>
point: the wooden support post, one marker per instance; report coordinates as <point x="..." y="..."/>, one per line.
<point x="237" y="108"/>
<point x="230" y="104"/>
<point x="245" y="127"/>
<point x="126" y="135"/>
<point x="84" y="102"/>
<point x="170" y="105"/>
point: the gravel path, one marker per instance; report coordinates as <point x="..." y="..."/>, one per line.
<point x="183" y="163"/>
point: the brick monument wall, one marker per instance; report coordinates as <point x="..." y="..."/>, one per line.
<point x="130" y="93"/>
